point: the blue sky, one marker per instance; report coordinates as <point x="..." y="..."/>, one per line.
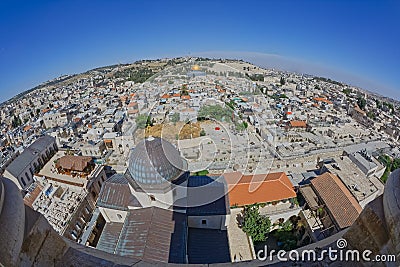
<point x="352" y="41"/>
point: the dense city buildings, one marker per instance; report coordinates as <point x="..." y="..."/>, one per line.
<point x="171" y="160"/>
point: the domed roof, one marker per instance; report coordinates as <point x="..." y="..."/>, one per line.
<point x="195" y="67"/>
<point x="155" y="161"/>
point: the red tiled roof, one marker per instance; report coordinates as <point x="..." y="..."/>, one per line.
<point x="31" y="197"/>
<point x="176" y="95"/>
<point x="186" y="97"/>
<point x="188" y="110"/>
<point x="74" y="163"/>
<point x="359" y="110"/>
<point x="321" y="99"/>
<point x="259" y="188"/>
<point x="27" y="128"/>
<point x="133" y="111"/>
<point x="165" y="96"/>
<point x="301" y="124"/>
<point x="337" y="198"/>
<point x="132" y="104"/>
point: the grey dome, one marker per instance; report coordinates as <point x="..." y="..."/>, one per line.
<point x="155" y="161"/>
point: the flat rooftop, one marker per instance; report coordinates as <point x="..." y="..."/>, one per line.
<point x="354" y="179"/>
<point x="57" y="202"/>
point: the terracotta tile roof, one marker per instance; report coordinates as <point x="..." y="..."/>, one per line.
<point x="343" y="207"/>
<point x="301" y="124"/>
<point x="132" y="104"/>
<point x="74" y="163"/>
<point x="176" y="95"/>
<point x="133" y="111"/>
<point x="186" y="97"/>
<point x="188" y="110"/>
<point x="321" y="99"/>
<point x="359" y="110"/>
<point x="27" y="128"/>
<point x="31" y="196"/>
<point x="259" y="188"/>
<point x="165" y="96"/>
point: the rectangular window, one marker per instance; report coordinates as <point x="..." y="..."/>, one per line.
<point x="203" y="222"/>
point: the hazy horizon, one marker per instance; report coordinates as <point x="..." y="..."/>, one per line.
<point x="355" y="42"/>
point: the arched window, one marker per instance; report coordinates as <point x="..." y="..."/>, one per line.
<point x="23" y="181"/>
<point x="73" y="235"/>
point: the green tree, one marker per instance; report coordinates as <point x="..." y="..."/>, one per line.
<point x="149" y="121"/>
<point x="282" y="81"/>
<point x="371" y="115"/>
<point x="347" y="92"/>
<point x="215" y="112"/>
<point x="387" y="161"/>
<point x="141" y="121"/>
<point x="254" y="224"/>
<point x="286" y="226"/>
<point x="241" y="126"/>
<point x="16" y="121"/>
<point x="395" y="164"/>
<point x="378" y="104"/>
<point x="175" y="117"/>
<point x="361" y="102"/>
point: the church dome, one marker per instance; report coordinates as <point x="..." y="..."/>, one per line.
<point x="155" y="161"/>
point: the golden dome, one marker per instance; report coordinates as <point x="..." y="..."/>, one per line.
<point x="195" y="67"/>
